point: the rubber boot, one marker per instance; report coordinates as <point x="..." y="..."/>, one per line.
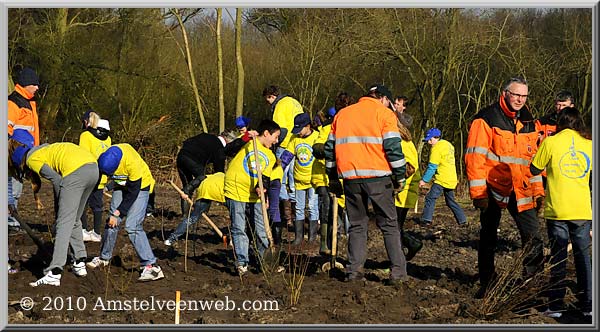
<point x="299" y="231"/>
<point x="293" y="211"/>
<point x="412" y="244"/>
<point x="313" y="230"/>
<point x="277" y="229"/>
<point x="324" y="250"/>
<point x="286" y="210"/>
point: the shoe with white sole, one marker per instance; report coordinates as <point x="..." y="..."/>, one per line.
<point x="552" y="313"/>
<point x="94" y="237"/>
<point x="151" y="273"/>
<point x="169" y="242"/>
<point x="86" y="236"/>
<point x="79" y="269"/>
<point x="242" y="269"/>
<point x="96" y="262"/>
<point x="48" y="279"/>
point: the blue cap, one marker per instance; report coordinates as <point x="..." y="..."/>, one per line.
<point x="300" y="121"/>
<point x="331" y="111"/>
<point x="108" y="162"/>
<point x="433" y="132"/>
<point x="24" y="137"/>
<point x="242" y="121"/>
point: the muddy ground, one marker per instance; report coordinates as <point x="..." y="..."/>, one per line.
<point x="442" y="278"/>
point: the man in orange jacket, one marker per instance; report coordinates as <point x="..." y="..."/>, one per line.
<point x="502" y="142"/>
<point x="364" y="149"/>
<point x="22" y="114"/>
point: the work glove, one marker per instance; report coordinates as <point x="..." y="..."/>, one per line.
<point x="480" y="203"/>
<point x="539" y="203"/>
<point x="12" y="209"/>
<point x="335" y="187"/>
<point x="398" y="185"/>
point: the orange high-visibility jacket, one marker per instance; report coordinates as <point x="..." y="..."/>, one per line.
<point x="364" y="142"/>
<point x="496" y="139"/>
<point x="546" y="125"/>
<point x="22" y="113"/>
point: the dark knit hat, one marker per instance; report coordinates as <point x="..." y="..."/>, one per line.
<point x="27" y="76"/>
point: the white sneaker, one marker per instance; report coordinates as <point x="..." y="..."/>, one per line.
<point x="552" y="313"/>
<point x="86" y="236"/>
<point x="242" y="269"/>
<point x="587" y="313"/>
<point x="151" y="272"/>
<point x="48" y="279"/>
<point x="79" y="269"/>
<point x="97" y="261"/>
<point x="168" y="242"/>
<point x="94" y="237"/>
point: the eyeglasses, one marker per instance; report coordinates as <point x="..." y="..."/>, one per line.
<point x="516" y="95"/>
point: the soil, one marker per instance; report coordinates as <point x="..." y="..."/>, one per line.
<point x="440" y="288"/>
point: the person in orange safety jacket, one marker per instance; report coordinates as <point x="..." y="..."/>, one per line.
<point x="502" y="141"/>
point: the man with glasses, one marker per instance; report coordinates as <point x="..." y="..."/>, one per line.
<point x="502" y="142"/>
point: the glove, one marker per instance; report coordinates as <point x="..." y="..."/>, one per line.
<point x="335" y="187"/>
<point x="398" y="186"/>
<point x="539" y="203"/>
<point x="480" y="203"/>
<point x="423" y="190"/>
<point x="12" y="209"/>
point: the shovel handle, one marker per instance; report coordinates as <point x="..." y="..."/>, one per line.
<point x="334" y="230"/>
<point x="262" y="193"/>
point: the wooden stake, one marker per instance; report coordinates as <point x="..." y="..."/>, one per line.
<point x="263" y="203"/>
<point x="177" y="308"/>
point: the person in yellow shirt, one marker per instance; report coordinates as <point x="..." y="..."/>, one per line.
<point x="241" y="186"/>
<point x="284" y="108"/>
<point x="212" y="189"/>
<point x="567" y="158"/>
<point x="73" y="173"/>
<point x="300" y="146"/>
<point x="273" y="196"/>
<point x="96" y="139"/>
<point x="123" y="164"/>
<point x="442" y="169"/>
<point x="408" y="197"/>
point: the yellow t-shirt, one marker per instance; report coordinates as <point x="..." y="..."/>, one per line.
<point x="64" y="158"/>
<point x="285" y="111"/>
<point x="241" y="177"/>
<point x="212" y="188"/>
<point x="442" y="154"/>
<point x="409" y="196"/>
<point x="319" y="174"/>
<point x="89" y="142"/>
<point x="132" y="167"/>
<point x="301" y="147"/>
<point x="567" y="158"/>
<point x="277" y="173"/>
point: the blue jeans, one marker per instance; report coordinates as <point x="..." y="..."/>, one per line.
<point x="133" y="226"/>
<point x="433" y="194"/>
<point x="200" y="206"/>
<point x="237" y="213"/>
<point x="559" y="233"/>
<point x="302" y="200"/>
<point x="17" y="189"/>
<point x="288" y="179"/>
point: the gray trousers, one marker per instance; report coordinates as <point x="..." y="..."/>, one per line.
<point x="381" y="195"/>
<point x="75" y="189"/>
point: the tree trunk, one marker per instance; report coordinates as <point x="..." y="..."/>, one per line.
<point x="188" y="59"/>
<point x="239" y="104"/>
<point x="220" y="70"/>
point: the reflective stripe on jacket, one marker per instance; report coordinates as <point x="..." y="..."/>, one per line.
<point x="364" y="142"/>
<point x="22" y="113"/>
<point x="495" y="139"/>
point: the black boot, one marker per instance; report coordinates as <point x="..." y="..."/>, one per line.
<point x="324" y="250"/>
<point x="313" y="229"/>
<point x="277" y="228"/>
<point x="412" y="244"/>
<point x="189" y="188"/>
<point x="285" y="209"/>
<point x="299" y="231"/>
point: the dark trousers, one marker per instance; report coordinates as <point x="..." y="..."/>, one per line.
<point x="96" y="203"/>
<point x="528" y="225"/>
<point x="380" y="194"/>
<point x="559" y="233"/>
<point x="324" y="202"/>
<point x="188" y="170"/>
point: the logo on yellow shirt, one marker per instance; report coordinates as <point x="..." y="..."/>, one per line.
<point x="574" y="164"/>
<point x="250" y="164"/>
<point x="304" y="154"/>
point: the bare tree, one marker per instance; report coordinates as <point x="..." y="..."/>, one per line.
<point x="239" y="104"/>
<point x="220" y="70"/>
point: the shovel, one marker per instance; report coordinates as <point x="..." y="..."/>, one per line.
<point x="333" y="264"/>
<point x="210" y="222"/>
<point x="38" y="242"/>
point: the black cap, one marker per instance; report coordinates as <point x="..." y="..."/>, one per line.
<point x="300" y="121"/>
<point x="27" y="76"/>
